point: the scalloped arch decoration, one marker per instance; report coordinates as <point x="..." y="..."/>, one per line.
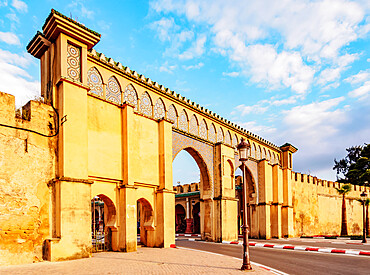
<point x="194" y="125"/>
<point x="203" y="129"/>
<point x="94" y="81"/>
<point x="172" y="114"/>
<point x="130" y="96"/>
<point x="113" y="91"/>
<point x="159" y="109"/>
<point x="146" y="106"/>
<point x="183" y="121"/>
<point x="212" y="133"/>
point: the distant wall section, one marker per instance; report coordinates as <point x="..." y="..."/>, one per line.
<point x="318" y="206"/>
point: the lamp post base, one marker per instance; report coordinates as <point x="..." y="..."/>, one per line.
<point x="246" y="267"/>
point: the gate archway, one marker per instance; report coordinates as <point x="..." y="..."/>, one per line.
<point x="146" y="222"/>
<point x="103" y="226"/>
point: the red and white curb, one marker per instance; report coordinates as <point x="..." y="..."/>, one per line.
<point x="302" y="248"/>
<point x="187" y="235"/>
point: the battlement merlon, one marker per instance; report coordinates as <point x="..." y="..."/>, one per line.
<point x="55" y="24"/>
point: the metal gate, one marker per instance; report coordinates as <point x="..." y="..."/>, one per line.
<point x="98" y="230"/>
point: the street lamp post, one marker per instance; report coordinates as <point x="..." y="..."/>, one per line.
<point x="243" y="149"/>
<point x="363" y="199"/>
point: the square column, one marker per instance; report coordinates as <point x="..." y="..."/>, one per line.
<point x="127" y="231"/>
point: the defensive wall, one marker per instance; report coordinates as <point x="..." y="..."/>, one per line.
<point x="317" y="206"/>
<point x="27" y="163"/>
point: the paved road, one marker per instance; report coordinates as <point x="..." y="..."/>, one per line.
<point x="340" y="244"/>
<point x="291" y="262"/>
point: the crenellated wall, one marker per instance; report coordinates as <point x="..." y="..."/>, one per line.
<point x="318" y="206"/>
<point x="27" y="163"/>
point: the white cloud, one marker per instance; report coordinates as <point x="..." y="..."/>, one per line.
<point x="362" y="92"/>
<point x="20" y="5"/>
<point x="286" y="101"/>
<point x="15" y="80"/>
<point x="231" y="74"/>
<point x="193" y="67"/>
<point x="167" y="68"/>
<point x="9" y="38"/>
<point x="255" y="128"/>
<point x="196" y="50"/>
<point x="307" y="34"/>
<point x="243" y="110"/>
<point x="12" y="17"/>
<point x="361" y="77"/>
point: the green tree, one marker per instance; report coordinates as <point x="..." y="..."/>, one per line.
<point x="355" y="167"/>
<point x="344" y="190"/>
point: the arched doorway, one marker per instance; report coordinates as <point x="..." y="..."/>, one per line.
<point x="180" y="216"/>
<point x="196" y="218"/>
<point x="145" y="222"/>
<point x="103" y="227"/>
<point x="199" y="190"/>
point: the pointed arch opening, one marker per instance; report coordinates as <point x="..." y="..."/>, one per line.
<point x="194" y="126"/>
<point x="212" y="133"/>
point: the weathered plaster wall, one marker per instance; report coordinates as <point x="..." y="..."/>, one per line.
<point x="317" y="207"/>
<point x="27" y="163"/>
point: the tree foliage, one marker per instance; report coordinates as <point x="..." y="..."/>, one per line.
<point x="355" y="167"/>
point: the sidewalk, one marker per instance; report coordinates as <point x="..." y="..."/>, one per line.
<point x="144" y="261"/>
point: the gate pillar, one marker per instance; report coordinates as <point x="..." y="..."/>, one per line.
<point x="265" y="198"/>
<point x="225" y="204"/>
<point x="62" y="49"/>
<point x="127" y="231"/>
<point x="287" y="208"/>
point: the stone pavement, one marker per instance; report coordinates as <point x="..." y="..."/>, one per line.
<point x="144" y="261"/>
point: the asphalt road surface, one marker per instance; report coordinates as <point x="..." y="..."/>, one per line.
<point x="291" y="262"/>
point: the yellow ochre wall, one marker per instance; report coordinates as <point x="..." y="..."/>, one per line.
<point x="27" y="163"/>
<point x="318" y="207"/>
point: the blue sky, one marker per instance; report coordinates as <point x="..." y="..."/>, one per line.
<point x="289" y="71"/>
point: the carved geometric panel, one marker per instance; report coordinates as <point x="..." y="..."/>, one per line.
<point x="159" y="109"/>
<point x="203" y="129"/>
<point x="253" y="150"/>
<point x="235" y="141"/>
<point x="94" y="81"/>
<point x="220" y="135"/>
<point x="74" y="62"/>
<point x="212" y="133"/>
<point x="130" y="96"/>
<point x="183" y="121"/>
<point x="258" y="153"/>
<point x="180" y="142"/>
<point x="113" y="92"/>
<point x="263" y="153"/>
<point x="172" y="115"/>
<point x="146" y="105"/>
<point x="228" y="138"/>
<point x="194" y="125"/>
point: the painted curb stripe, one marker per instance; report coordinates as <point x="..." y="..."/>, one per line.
<point x="366" y="253"/>
<point x="268" y="245"/>
<point x="312" y="249"/>
<point x="338" y="251"/>
<point x="288" y="247"/>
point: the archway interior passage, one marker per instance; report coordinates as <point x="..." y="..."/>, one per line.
<point x="103" y="218"/>
<point x="185" y="170"/>
<point x="187" y="179"/>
